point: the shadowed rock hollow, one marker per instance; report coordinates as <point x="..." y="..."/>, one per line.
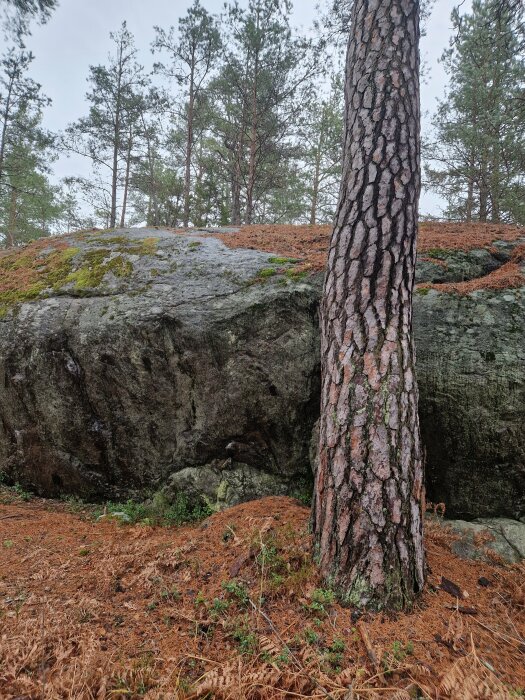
<point x="143" y="359"/>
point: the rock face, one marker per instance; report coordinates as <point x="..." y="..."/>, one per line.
<point x="145" y="359"/>
<point x="485" y="537"/>
<point x="471" y="371"/>
<point x="185" y="362"/>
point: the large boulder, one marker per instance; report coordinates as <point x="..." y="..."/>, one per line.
<point x="144" y="359"/>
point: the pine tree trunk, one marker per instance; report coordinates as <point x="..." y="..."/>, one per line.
<point x="5" y="118"/>
<point x="11" y="226"/>
<point x="367" y="511"/>
<point x="126" y="184"/>
<point x="236" y="186"/>
<point x="315" y="185"/>
<point x="253" y="140"/>
<point x="189" y="148"/>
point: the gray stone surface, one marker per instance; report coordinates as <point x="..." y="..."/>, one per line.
<point x="470" y="360"/>
<point x="457" y="266"/>
<point x="502" y="537"/>
<point x="193" y="372"/>
<point x="187" y="361"/>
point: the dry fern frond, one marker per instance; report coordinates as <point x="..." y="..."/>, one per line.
<point x="401" y="695"/>
<point x="268" y="646"/>
<point x="454" y="633"/>
<point x="469" y="679"/>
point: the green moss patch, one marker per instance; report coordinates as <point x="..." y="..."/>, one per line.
<point x="283" y="261"/>
<point x="25" y="274"/>
<point x="95" y="265"/>
<point x="438" y="253"/>
<point x="266" y="272"/>
<point x="42" y="268"/>
<point x="133" y="246"/>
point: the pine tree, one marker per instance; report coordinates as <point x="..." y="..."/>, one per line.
<point x="18" y="14"/>
<point x="478" y="152"/>
<point x="192" y="53"/>
<point x="257" y="99"/>
<point x="108" y="134"/>
<point x="321" y="136"/>
<point x="367" y="511"/>
<point x="28" y="203"/>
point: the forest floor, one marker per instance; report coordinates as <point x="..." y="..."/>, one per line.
<point x="231" y="607"/>
<point x="310" y="245"/>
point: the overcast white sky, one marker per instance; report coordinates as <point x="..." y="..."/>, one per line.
<point x="77" y="36"/>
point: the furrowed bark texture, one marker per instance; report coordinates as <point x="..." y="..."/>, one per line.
<point x="367" y="518"/>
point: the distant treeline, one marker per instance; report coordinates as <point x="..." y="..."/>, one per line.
<point x="240" y="121"/>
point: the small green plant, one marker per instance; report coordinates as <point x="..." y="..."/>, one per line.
<point x="246" y="639"/>
<point x="219" y="606"/>
<point x="396" y="656"/>
<point x="84" y="551"/>
<point x="74" y="503"/>
<point x="194" y="244"/>
<point x="296" y="275"/>
<point x="200" y="600"/>
<point x="311" y="636"/>
<point x="321" y="600"/>
<point x="22" y="493"/>
<point x="8" y="544"/>
<point x="337" y="646"/>
<point x="422" y="291"/>
<point x="160" y="511"/>
<point x="238" y="592"/>
<point x="173" y="594"/>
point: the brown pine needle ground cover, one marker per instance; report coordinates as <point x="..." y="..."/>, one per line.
<point x="232" y="608"/>
<point x="310" y="244"/>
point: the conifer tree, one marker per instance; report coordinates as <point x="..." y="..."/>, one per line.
<point x="478" y="151"/>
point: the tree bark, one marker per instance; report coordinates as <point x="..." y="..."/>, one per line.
<point x="116" y="144"/>
<point x="13" y="215"/>
<point x="253" y="134"/>
<point x="126" y="181"/>
<point x="367" y="511"/>
<point x="5" y="119"/>
<point x="236" y="184"/>
<point x="189" y="146"/>
<point x="317" y="174"/>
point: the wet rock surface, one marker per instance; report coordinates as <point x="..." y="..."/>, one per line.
<point x="489" y="539"/>
<point x="172" y="361"/>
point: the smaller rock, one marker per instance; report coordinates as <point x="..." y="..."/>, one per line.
<point x="478" y="539"/>
<point x="482" y="581"/>
<point x="117" y="515"/>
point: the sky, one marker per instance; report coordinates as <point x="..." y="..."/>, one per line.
<point x="77" y="36"/>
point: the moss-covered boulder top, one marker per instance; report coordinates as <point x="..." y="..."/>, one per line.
<point x="452" y="257"/>
<point x="131" y="262"/>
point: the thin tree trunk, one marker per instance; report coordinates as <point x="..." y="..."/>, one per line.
<point x="189" y="148"/>
<point x="126" y="183"/>
<point x="367" y="511"/>
<point x="315" y="184"/>
<point x="114" y="177"/>
<point x="253" y="140"/>
<point x="470" y="199"/>
<point x="11" y="227"/>
<point x="236" y="183"/>
<point x="483" y="197"/>
<point x="5" y="117"/>
<point x="116" y="147"/>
